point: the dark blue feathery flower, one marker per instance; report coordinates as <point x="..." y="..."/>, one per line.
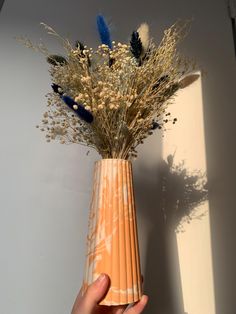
<point x="104" y="31"/>
<point x="69" y="101"/>
<point x="73" y="105"/>
<point x="57" y="89"/>
<point x="80" y="45"/>
<point x="78" y="109"/>
<point x="56" y="60"/>
<point x="136" y="45"/>
<point x="111" y="61"/>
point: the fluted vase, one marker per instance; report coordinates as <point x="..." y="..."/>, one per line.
<point x="112" y="241"/>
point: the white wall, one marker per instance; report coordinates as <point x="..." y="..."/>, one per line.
<point x="45" y="188"/>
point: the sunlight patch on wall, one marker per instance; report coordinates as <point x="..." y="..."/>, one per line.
<point x="185" y="142"/>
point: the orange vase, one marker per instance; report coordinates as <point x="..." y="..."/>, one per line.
<point x="112" y="242"/>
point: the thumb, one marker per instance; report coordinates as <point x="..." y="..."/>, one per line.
<point x="95" y="293"/>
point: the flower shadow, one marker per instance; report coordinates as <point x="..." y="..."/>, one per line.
<point x="165" y="201"/>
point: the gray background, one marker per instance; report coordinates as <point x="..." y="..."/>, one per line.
<point x="45" y="189"/>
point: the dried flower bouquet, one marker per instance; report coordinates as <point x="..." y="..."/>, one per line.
<point x="113" y="98"/>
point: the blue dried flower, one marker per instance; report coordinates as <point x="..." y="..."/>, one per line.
<point x="57" y="89"/>
<point x="78" y="109"/>
<point x="104" y="31"/>
<point x="136" y="45"/>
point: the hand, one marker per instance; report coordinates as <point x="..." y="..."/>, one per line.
<point x="88" y="303"/>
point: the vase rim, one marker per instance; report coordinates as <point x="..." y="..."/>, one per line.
<point x="115" y="159"/>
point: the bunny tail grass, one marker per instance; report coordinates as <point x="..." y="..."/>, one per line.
<point x="143" y="32"/>
<point x="78" y="109"/>
<point x="136" y="45"/>
<point x="57" y="89"/>
<point x="104" y="31"/>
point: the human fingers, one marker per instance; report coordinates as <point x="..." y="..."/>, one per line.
<point x="77" y="301"/>
<point x="119" y="309"/>
<point x="138" y="307"/>
<point x="93" y="295"/>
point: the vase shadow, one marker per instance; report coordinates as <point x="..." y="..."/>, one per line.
<point x="157" y="208"/>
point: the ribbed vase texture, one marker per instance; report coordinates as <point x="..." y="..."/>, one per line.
<point x="112" y="242"/>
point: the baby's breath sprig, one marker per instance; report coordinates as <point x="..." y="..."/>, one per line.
<point x="113" y="98"/>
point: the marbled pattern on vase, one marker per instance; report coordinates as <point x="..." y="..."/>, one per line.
<point x="112" y="242"/>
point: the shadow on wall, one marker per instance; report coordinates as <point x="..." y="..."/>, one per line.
<point x="164" y="205"/>
<point x="1" y="4"/>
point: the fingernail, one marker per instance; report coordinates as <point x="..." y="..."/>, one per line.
<point x="101" y="278"/>
<point x="144" y="298"/>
